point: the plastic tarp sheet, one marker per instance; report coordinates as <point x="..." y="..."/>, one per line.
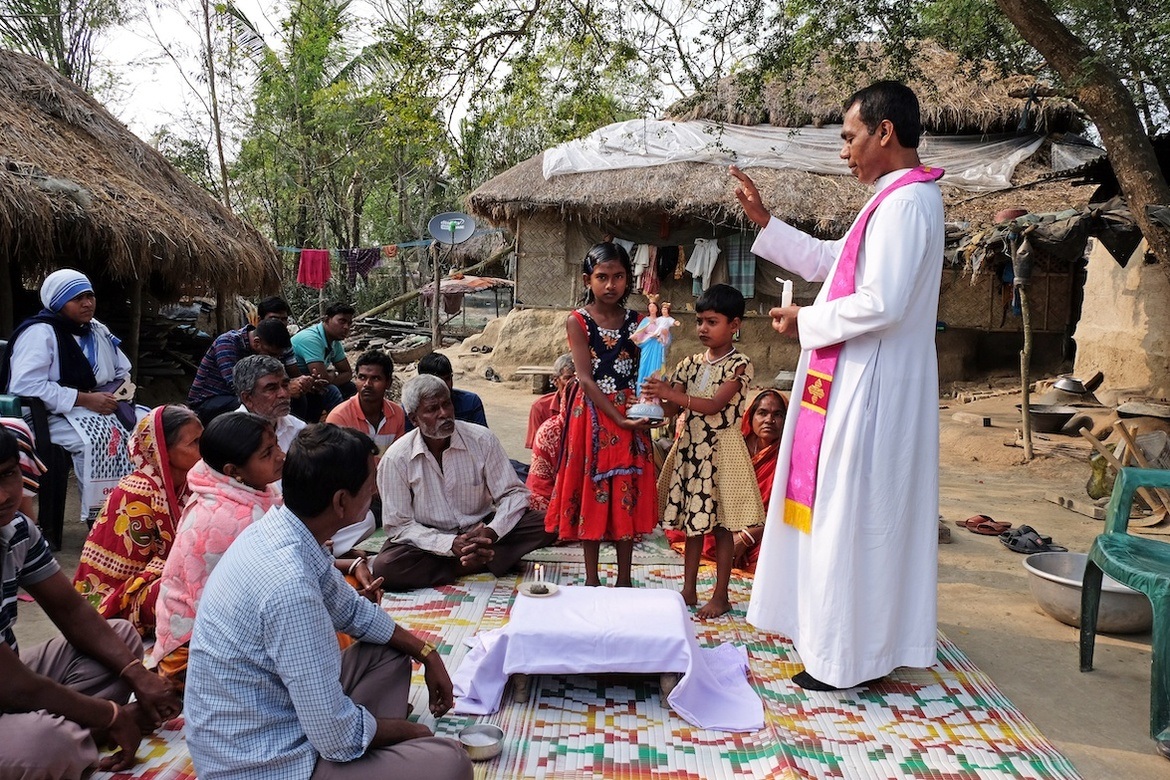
<point x="975" y="163"/>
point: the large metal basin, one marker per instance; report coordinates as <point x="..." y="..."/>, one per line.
<point x="1056" y="586"/>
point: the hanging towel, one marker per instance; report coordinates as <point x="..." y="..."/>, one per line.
<point x="741" y="263"/>
<point x="360" y="261"/>
<point x="315" y="269"/>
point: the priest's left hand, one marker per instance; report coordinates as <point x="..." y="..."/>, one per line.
<point x="784" y="320"/>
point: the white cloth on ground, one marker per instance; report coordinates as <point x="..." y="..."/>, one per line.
<point x="857" y="595"/>
<point x="599" y="630"/>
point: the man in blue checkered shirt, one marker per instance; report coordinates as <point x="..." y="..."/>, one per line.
<point x="269" y="695"/>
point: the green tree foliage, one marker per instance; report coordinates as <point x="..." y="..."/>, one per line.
<point x="63" y="33"/>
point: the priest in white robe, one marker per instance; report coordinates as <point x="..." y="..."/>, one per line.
<point x="855" y="587"/>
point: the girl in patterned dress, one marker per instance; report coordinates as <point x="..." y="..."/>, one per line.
<point x="707" y="483"/>
<point x="605" y="487"/>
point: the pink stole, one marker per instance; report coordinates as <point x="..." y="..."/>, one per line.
<point x="818" y="384"/>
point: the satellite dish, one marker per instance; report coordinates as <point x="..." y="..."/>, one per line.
<point x="452" y="227"/>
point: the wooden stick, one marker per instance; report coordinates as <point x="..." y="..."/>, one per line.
<point x="1111" y="459"/>
<point x="1140" y="457"/>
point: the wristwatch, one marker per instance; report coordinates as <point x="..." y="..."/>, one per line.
<point x="427" y="649"/>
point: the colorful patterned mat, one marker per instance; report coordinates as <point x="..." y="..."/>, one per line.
<point x="650" y="550"/>
<point x="948" y="722"/>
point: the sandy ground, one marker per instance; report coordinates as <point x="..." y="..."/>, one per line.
<point x="1099" y="720"/>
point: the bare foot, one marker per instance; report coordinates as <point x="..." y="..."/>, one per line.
<point x="713" y="609"/>
<point x="623" y="584"/>
<point x="690" y="597"/>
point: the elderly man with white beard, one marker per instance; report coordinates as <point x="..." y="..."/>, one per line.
<point x="451" y="502"/>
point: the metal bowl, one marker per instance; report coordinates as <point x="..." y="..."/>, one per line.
<point x="1049" y="419"/>
<point x="1070" y="385"/>
<point x="1056" y="585"/>
<point x="482" y="741"/>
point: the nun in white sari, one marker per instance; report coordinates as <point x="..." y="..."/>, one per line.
<point x="72" y="363"/>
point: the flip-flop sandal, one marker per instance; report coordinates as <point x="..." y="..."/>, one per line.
<point x="989" y="527"/>
<point x="1030" y="542"/>
<point x="1025" y="529"/>
<point x="976" y="520"/>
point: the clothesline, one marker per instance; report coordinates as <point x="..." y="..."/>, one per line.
<point x="315" y="268"/>
<point x="400" y="244"/>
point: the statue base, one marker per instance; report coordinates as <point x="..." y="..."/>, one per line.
<point x="645" y="410"/>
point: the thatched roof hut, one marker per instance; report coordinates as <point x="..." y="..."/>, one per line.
<point x="955" y="97"/>
<point x="78" y="189"/>
<point x="954" y="100"/>
<point x="556" y="219"/>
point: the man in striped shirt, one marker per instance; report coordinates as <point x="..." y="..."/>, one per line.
<point x="64" y="698"/>
<point x="212" y="393"/>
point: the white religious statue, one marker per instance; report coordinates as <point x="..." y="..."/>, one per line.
<point x="653" y="336"/>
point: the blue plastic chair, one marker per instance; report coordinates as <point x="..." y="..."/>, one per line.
<point x="1143" y="564"/>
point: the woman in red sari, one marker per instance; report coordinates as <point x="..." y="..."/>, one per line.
<point x="122" y="561"/>
<point x="761" y="427"/>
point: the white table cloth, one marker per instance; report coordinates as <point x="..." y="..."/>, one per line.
<point x="583" y="630"/>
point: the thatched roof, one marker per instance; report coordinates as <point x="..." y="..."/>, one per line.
<point x="78" y="188"/>
<point x="824" y="205"/>
<point x="955" y="97"/>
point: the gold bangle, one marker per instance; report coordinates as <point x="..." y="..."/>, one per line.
<point x="688" y="397"/>
<point x="117" y="710"/>
<point x="427" y="649"/>
<point x="129" y="666"/>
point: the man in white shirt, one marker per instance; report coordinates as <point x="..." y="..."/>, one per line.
<point x="262" y="384"/>
<point x="451" y="502"/>
<point x="848" y="565"/>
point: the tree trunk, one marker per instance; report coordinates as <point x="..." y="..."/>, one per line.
<point x="216" y="127"/>
<point x="1101" y="93"/>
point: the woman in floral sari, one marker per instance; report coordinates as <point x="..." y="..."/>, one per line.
<point x="761" y="428"/>
<point x="124" y="553"/>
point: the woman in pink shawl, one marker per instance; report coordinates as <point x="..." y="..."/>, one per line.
<point x="231" y="488"/>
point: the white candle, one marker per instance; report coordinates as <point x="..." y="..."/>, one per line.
<point x="786" y="292"/>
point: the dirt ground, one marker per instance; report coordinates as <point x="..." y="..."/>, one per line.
<point x="1099" y="720"/>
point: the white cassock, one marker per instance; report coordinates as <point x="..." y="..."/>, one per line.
<point x="857" y="595"/>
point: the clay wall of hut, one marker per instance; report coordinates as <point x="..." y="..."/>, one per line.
<point x="1124" y="329"/>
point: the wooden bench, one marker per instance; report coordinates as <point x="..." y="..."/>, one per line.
<point x="541" y="377"/>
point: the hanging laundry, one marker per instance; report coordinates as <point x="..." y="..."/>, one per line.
<point x="703" y="261"/>
<point x="741" y="263"/>
<point x="682" y="263"/>
<point x="314" y="270"/>
<point x="641" y="259"/>
<point x="648" y="284"/>
<point x="360" y="261"/>
<point x="665" y="262"/>
<point x="626" y="245"/>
